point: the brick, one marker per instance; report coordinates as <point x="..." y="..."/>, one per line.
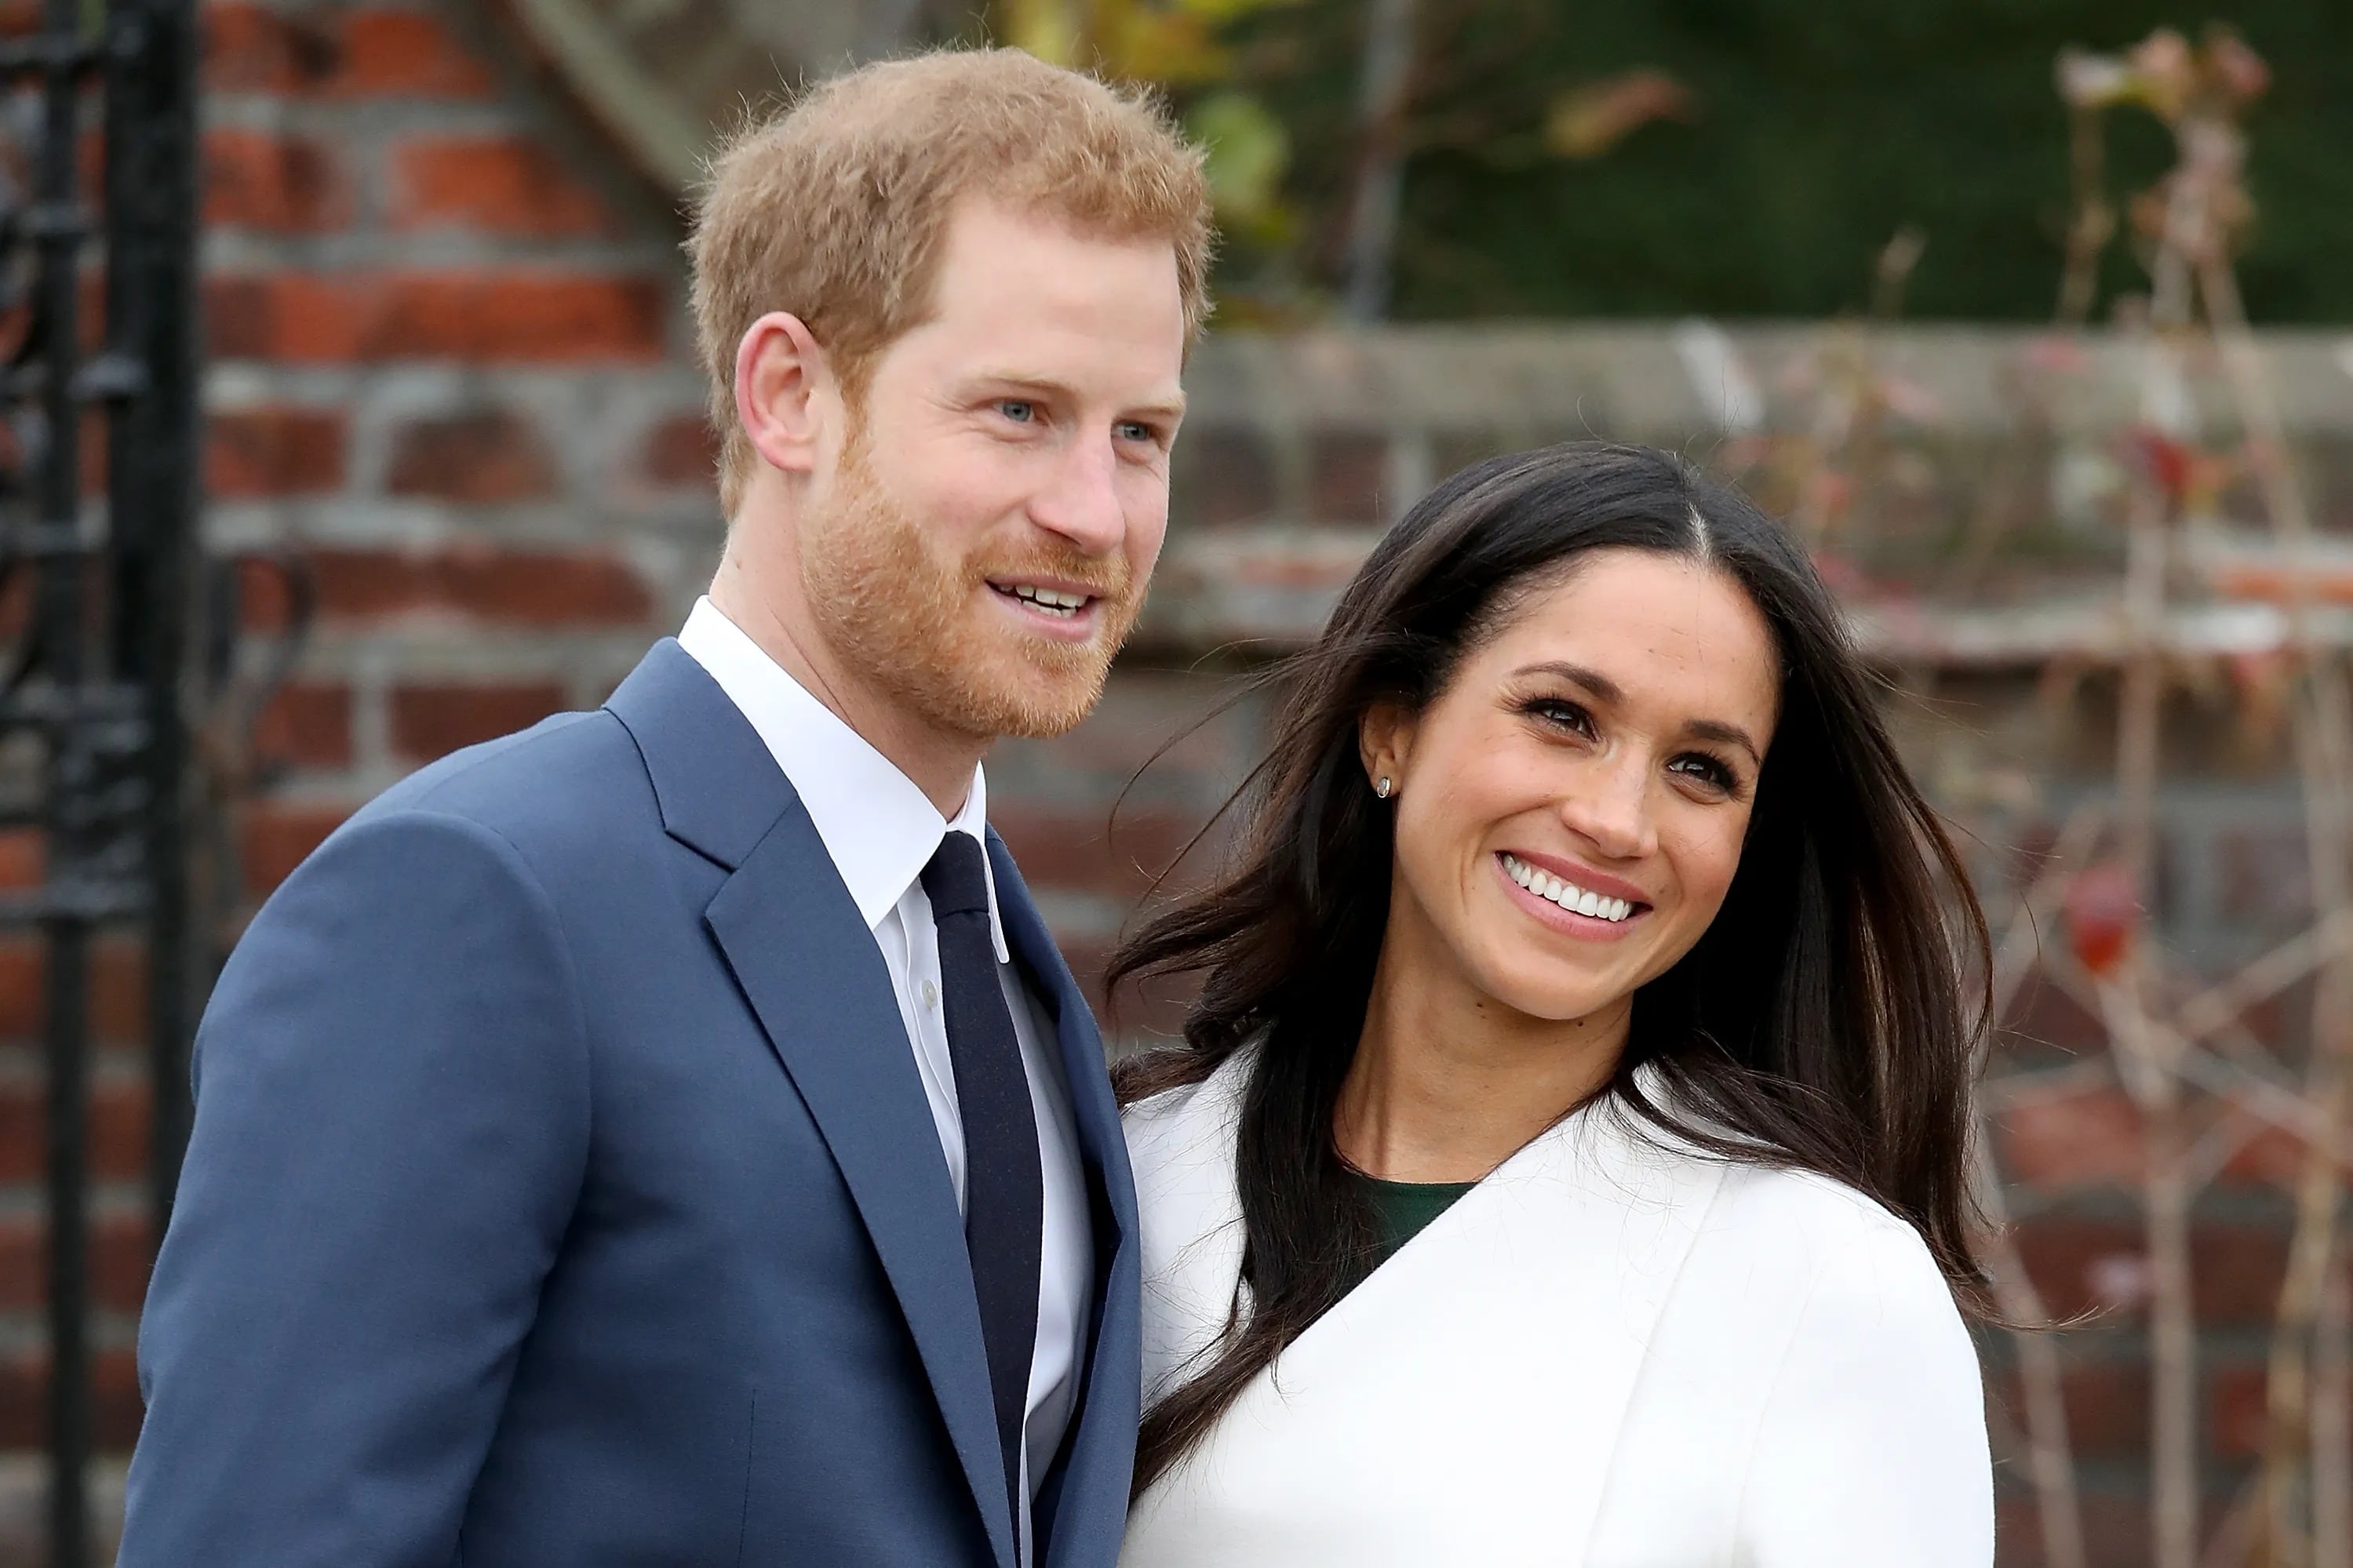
<point x="115" y="1409"/>
<point x="2238" y="1409"/>
<point x="519" y="317"/>
<point x="2098" y="1266"/>
<point x="502" y="186"/>
<point x="307" y="724"/>
<point x="255" y="452"/>
<point x="2107" y="1403"/>
<point x="430" y="722"/>
<point x="2077" y="1263"/>
<point x="118" y="991"/>
<point x="408" y="53"/>
<point x="253" y="48"/>
<point x="372" y="52"/>
<point x="91" y="453"/>
<point x="2269" y="1156"/>
<point x="2236" y="1272"/>
<point x="117" y="996"/>
<point x="682" y="450"/>
<point x="2263" y="875"/>
<point x="510" y="587"/>
<point x="22" y="1003"/>
<point x="1081" y="851"/>
<point x="2072" y="1140"/>
<point x="118" y="1259"/>
<point x="1224" y="475"/>
<point x="2116" y="1531"/>
<point x="1347" y="472"/>
<point x="477" y="459"/>
<point x="2044" y="1014"/>
<point x="118" y="1130"/>
<point x="276" y="836"/>
<point x="21" y="857"/>
<point x="275" y="183"/>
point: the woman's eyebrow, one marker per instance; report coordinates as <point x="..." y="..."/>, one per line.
<point x="1608" y="690"/>
<point x="1593" y="681"/>
<point x="1716" y="730"/>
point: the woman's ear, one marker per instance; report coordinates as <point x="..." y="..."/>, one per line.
<point x="1384" y="741"/>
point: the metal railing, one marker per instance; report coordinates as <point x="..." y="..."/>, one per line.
<point x="102" y="593"/>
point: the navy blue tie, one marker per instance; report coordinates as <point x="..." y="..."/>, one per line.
<point x="1004" y="1203"/>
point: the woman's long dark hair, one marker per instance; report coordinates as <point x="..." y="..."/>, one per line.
<point x="1822" y="1022"/>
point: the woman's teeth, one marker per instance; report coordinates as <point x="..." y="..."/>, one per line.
<point x="1052" y="601"/>
<point x="1568" y="895"/>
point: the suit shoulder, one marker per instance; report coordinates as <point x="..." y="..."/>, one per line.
<point x="571" y="783"/>
<point x="563" y="753"/>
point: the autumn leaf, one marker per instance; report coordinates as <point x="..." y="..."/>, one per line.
<point x="2103" y="914"/>
<point x="1587" y="121"/>
<point x="2237" y="69"/>
<point x="1247" y="152"/>
<point x="2165" y="461"/>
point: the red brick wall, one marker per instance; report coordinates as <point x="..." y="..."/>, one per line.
<point x="447" y="368"/>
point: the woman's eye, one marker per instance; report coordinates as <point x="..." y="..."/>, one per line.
<point x="1563" y="715"/>
<point x="1707" y="770"/>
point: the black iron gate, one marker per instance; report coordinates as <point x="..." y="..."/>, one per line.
<point x="101" y="586"/>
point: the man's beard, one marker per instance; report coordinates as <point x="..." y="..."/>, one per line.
<point x="912" y="624"/>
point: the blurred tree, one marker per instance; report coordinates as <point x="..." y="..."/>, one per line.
<point x="1813" y="134"/>
<point x="1177" y="45"/>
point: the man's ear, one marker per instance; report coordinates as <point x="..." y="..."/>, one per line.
<point x="1385" y="742"/>
<point x="784" y="385"/>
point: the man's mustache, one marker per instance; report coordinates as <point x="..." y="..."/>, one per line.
<point x="1108" y="578"/>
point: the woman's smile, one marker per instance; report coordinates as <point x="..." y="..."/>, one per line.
<point x="1569" y="906"/>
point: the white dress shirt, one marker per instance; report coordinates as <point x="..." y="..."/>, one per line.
<point x="881" y="831"/>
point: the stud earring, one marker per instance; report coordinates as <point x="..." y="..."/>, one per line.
<point x="1382" y="788"/>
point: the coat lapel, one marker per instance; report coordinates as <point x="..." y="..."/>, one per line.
<point x="1490" y="1363"/>
<point x="809" y="968"/>
<point x="1085" y="1499"/>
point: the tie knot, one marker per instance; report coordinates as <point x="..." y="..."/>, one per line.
<point x="956" y="881"/>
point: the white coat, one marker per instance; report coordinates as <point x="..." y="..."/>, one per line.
<point x="1609" y="1353"/>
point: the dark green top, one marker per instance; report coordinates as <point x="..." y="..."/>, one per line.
<point x="1403" y="1209"/>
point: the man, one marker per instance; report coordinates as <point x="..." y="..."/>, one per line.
<point x="669" y="1136"/>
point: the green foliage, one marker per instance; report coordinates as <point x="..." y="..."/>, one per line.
<point x="1808" y="134"/>
<point x="1178" y="44"/>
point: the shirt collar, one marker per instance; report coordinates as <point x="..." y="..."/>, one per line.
<point x="878" y="827"/>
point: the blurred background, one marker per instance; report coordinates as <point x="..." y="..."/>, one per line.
<point x="351" y="418"/>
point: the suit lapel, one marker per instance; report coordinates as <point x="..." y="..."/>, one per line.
<point x="1084" y="1498"/>
<point x="813" y="975"/>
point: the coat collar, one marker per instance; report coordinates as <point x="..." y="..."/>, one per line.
<point x="718" y="789"/>
<point x="879" y="828"/>
<point x="1547" y="1278"/>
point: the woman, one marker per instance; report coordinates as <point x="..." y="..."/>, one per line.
<point x="1565" y="1162"/>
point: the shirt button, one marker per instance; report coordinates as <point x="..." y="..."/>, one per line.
<point x="931" y="995"/>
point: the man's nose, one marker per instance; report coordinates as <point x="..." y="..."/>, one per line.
<point x="1081" y="503"/>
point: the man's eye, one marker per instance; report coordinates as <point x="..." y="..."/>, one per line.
<point x="1136" y="430"/>
<point x="1019" y="410"/>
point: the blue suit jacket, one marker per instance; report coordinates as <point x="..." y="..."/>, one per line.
<point x="562" y="1192"/>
